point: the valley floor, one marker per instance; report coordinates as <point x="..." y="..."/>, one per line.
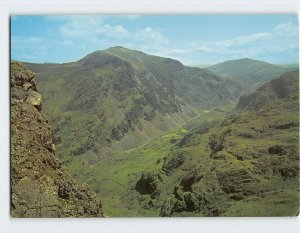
<point x="111" y="176"/>
<point x="249" y="178"/>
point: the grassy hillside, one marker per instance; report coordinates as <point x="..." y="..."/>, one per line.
<point x="244" y="165"/>
<point x="278" y="88"/>
<point x="117" y="99"/>
<point x="114" y="178"/>
<point x="248" y="165"/>
<point x="248" y="72"/>
<point x="290" y="66"/>
<point x="156" y="138"/>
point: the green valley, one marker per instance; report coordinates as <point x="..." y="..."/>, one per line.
<point x="153" y="137"/>
<point x="158" y="116"/>
<point x="118" y="99"/>
<point x="110" y="177"/>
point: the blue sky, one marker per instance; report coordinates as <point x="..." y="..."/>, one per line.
<point x="192" y="39"/>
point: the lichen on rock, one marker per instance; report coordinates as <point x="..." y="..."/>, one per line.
<point x="35" y="98"/>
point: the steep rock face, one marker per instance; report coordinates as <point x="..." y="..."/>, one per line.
<point x="40" y="185"/>
<point x="149" y="183"/>
<point x="205" y="87"/>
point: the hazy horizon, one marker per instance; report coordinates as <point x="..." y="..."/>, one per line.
<point x="201" y="65"/>
<point x="191" y="39"/>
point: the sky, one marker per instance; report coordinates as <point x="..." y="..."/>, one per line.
<point x="191" y="39"/>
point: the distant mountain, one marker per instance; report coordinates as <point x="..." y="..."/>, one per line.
<point x="248" y="72"/>
<point x="40" y="185"/>
<point x="290" y="66"/>
<point x="279" y="88"/>
<point x="119" y="98"/>
<point x="245" y="165"/>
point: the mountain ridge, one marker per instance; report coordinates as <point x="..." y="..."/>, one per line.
<point x="132" y="96"/>
<point x="278" y="88"/>
<point x="248" y="72"/>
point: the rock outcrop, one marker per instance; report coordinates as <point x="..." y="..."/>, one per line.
<point x="149" y="183"/>
<point x="40" y="185"/>
<point x="244" y="165"/>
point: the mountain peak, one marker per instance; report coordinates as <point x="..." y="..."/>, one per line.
<point x="249" y="72"/>
<point x="117" y="47"/>
<point x="244" y="60"/>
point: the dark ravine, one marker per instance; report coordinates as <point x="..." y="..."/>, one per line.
<point x="40" y="185"/>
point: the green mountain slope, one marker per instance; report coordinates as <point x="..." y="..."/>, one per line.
<point x="290" y="66"/>
<point x="114" y="178"/>
<point x="40" y="185"/>
<point x="278" y="88"/>
<point x="205" y="89"/>
<point x="248" y="72"/>
<point x="246" y="165"/>
<point x="153" y="137"/>
<point x="118" y="99"/>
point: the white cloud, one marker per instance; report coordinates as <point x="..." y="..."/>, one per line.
<point x="151" y="35"/>
<point x="89" y="33"/>
<point x="281" y="30"/>
<point x="244" y="40"/>
<point x="97" y="31"/>
<point x="283" y="38"/>
<point x="113" y="31"/>
<point x="93" y="27"/>
<point x="94" y="34"/>
<point x="286" y="30"/>
<point x="205" y="49"/>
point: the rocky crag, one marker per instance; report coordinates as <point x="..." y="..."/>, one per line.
<point x="245" y="165"/>
<point x="40" y="185"/>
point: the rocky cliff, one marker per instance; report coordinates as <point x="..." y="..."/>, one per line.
<point x="40" y="185"/>
<point x="245" y="165"/>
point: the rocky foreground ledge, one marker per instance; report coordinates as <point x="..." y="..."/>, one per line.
<point x="40" y="185"/>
